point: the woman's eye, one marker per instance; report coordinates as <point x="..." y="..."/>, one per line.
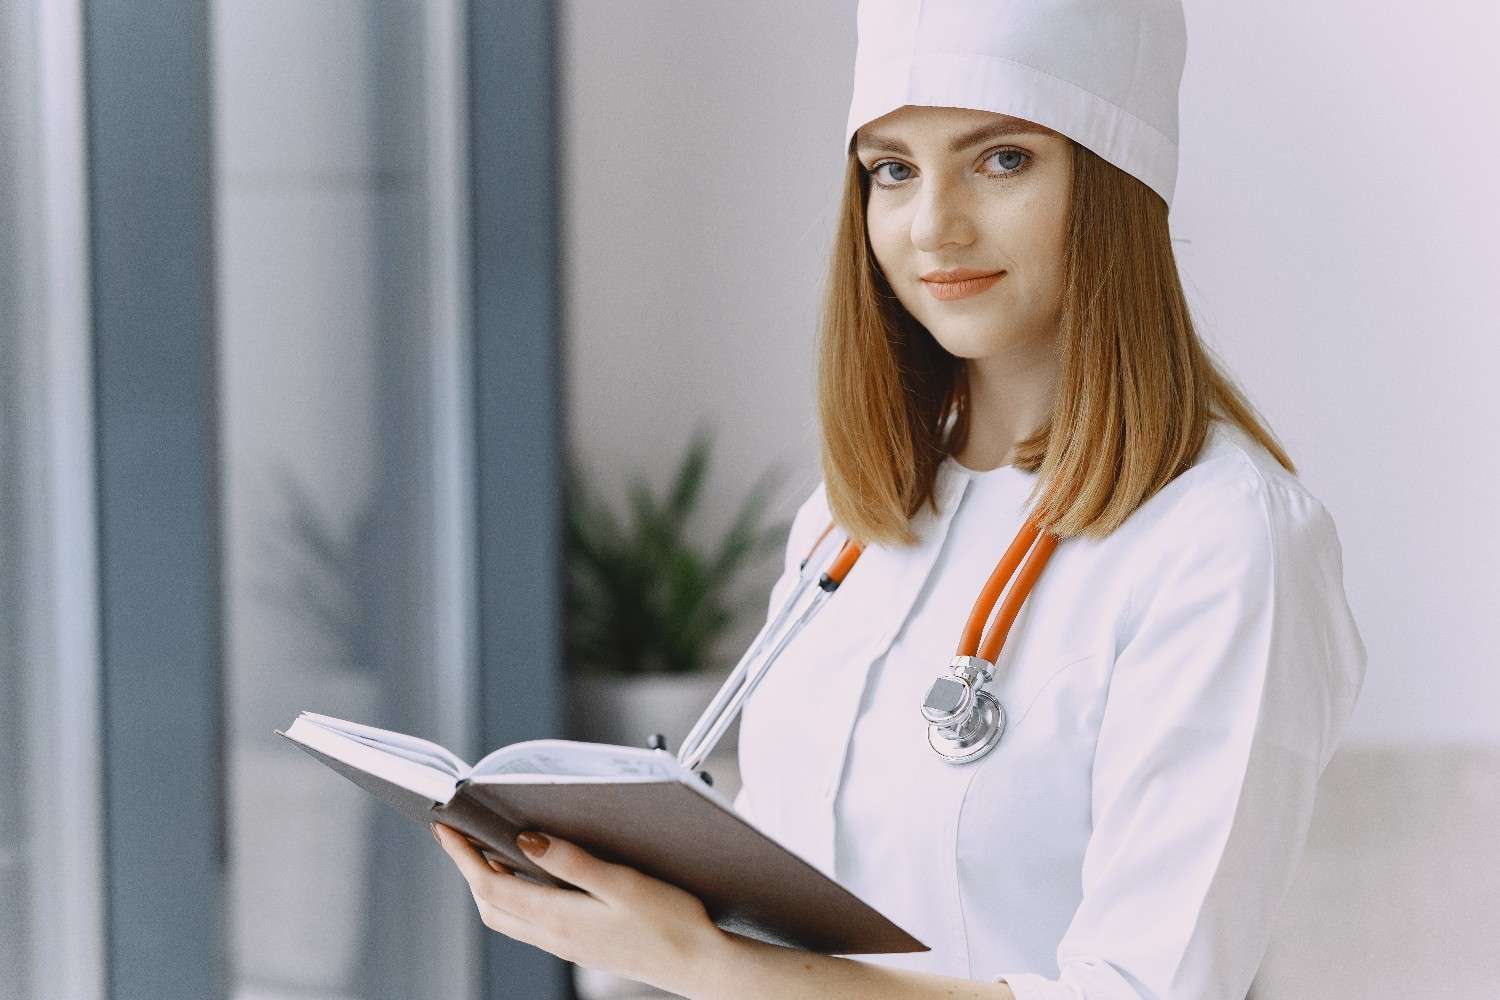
<point x="1012" y="161"/>
<point x="1016" y="153"/>
<point x="875" y="170"/>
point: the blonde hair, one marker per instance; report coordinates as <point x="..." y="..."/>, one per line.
<point x="1136" y="392"/>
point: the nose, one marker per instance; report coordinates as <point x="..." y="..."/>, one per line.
<point x="943" y="215"/>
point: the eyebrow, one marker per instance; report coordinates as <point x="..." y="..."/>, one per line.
<point x="960" y="142"/>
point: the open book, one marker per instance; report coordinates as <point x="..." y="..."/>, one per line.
<point x="629" y="805"/>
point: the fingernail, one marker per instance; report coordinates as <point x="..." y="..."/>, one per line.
<point x="534" y="844"/>
<point x="433" y="828"/>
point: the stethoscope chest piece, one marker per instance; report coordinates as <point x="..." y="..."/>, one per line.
<point x="964" y="722"/>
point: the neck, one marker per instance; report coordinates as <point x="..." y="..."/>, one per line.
<point x="1010" y="396"/>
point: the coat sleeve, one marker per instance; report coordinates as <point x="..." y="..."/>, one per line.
<point x="1238" y="665"/>
<point x="808" y="523"/>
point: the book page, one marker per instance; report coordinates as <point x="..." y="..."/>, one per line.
<point x="579" y="759"/>
<point x="435" y="783"/>
<point x="412" y="748"/>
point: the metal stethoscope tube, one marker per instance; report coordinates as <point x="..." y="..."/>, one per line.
<point x="721" y="711"/>
<point x="964" y="722"/>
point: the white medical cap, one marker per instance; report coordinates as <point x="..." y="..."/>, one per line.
<point x="1104" y="73"/>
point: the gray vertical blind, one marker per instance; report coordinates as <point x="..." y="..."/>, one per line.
<point x="518" y="418"/>
<point x="149" y="169"/>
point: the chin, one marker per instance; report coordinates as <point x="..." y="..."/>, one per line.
<point x="967" y="344"/>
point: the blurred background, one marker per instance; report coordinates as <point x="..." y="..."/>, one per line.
<point x="309" y="307"/>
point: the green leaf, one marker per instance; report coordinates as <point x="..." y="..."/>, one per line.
<point x="641" y="596"/>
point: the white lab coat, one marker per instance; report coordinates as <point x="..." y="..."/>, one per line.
<point x="1173" y="693"/>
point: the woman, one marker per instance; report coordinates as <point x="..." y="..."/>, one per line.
<point x="1005" y="337"/>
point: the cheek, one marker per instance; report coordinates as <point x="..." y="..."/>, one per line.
<point x="1051" y="214"/>
<point x="1032" y="235"/>
<point x="1026" y="227"/>
<point x="886" y="241"/>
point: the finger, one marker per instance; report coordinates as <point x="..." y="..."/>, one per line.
<point x="471" y="864"/>
<point x="511" y="926"/>
<point x="611" y="883"/>
<point x="543" y="905"/>
<point x="503" y="922"/>
<point x="548" y="907"/>
<point x="485" y="881"/>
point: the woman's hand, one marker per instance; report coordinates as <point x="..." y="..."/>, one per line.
<point x="624" y="922"/>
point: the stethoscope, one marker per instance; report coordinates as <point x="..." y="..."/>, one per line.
<point x="964" y="722"/>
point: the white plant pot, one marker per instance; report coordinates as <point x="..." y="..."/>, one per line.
<point x="627" y="710"/>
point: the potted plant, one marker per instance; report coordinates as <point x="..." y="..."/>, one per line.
<point x="646" y="605"/>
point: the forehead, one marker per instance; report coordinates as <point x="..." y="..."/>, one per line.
<point x="952" y="128"/>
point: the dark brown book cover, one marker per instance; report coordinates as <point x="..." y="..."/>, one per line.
<point x="749" y="884"/>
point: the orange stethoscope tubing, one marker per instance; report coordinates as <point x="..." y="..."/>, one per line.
<point x="968" y="643"/>
<point x="726" y="704"/>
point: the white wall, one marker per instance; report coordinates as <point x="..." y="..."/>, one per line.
<point x="1337" y="206"/>
<point x="701" y="170"/>
<point x="1338" y="186"/>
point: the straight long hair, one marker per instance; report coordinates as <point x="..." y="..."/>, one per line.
<point x="1136" y="393"/>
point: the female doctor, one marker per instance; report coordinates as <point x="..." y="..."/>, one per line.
<point x="1005" y="340"/>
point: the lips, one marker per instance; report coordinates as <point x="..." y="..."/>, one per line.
<point x="967" y="283"/>
<point x="956" y="274"/>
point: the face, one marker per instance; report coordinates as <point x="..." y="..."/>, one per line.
<point x="952" y="188"/>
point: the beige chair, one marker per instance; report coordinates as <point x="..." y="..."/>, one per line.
<point x="1398" y="891"/>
